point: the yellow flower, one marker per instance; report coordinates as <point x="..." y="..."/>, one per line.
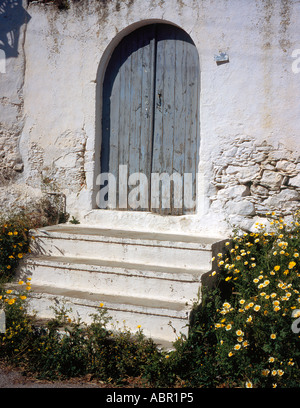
<point x="228" y="327"/>
<point x="256" y="308"/>
<point x="239" y="333"/>
<point x="249" y="320"/>
<point x="139" y="326"/>
<point x="271" y="360"/>
<point x="23" y="297"/>
<point x="20" y="255"/>
<point x="230" y="354"/>
<point x="273" y="336"/>
<point x="276" y="268"/>
<point x="20" y="282"/>
<point x="9" y="291"/>
<point x="292" y="264"/>
<point x="237" y="346"/>
<point x="249" y="384"/>
<point x="101" y="305"/>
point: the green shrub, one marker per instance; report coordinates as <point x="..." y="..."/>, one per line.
<point x="243" y="335"/>
<point x="14" y="244"/>
<point x="64" y="348"/>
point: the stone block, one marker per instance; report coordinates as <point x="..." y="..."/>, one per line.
<point x="285" y="165"/>
<point x="259" y="190"/>
<point x="295" y="181"/>
<point x="277" y="200"/>
<point x="235" y="191"/>
<point x="271" y="179"/>
<point x="242" y="207"/>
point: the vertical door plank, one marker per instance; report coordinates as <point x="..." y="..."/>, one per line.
<point x="148" y="73"/>
<point x="167" y="35"/>
<point x="158" y="105"/>
<point x="110" y="118"/>
<point x="134" y="126"/>
<point x="180" y="114"/>
<point x="191" y="136"/>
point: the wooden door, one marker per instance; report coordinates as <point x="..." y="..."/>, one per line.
<point x="150" y="114"/>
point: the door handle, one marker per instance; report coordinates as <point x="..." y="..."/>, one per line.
<point x="159" y="100"/>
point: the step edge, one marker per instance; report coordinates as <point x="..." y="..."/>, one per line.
<point x="128" y="269"/>
<point x="181" y="311"/>
<point x="161" y="241"/>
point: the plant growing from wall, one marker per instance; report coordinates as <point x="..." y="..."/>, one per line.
<point x="61" y="4"/>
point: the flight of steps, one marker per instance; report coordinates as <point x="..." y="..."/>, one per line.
<point x="147" y="279"/>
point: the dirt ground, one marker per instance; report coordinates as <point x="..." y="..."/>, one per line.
<point x="14" y="378"/>
<point x="11" y="377"/>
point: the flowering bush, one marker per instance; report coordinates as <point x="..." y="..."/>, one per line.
<point x="256" y="343"/>
<point x="14" y="244"/>
<point x="17" y="337"/>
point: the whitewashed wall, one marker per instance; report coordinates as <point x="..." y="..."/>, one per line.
<point x="249" y="107"/>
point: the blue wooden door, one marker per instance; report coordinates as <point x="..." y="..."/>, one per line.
<point x="150" y="114"/>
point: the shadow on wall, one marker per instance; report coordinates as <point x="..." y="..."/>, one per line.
<point x="12" y="17"/>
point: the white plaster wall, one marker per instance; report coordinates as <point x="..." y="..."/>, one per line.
<point x="248" y="105"/>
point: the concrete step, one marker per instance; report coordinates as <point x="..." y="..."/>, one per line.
<point x="146" y="278"/>
<point x="158" y="320"/>
<point x="148" y="248"/>
<point x="114" y="278"/>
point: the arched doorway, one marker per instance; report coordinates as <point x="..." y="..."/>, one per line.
<point x="150" y="120"/>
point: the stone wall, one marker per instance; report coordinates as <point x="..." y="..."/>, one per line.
<point x="253" y="179"/>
